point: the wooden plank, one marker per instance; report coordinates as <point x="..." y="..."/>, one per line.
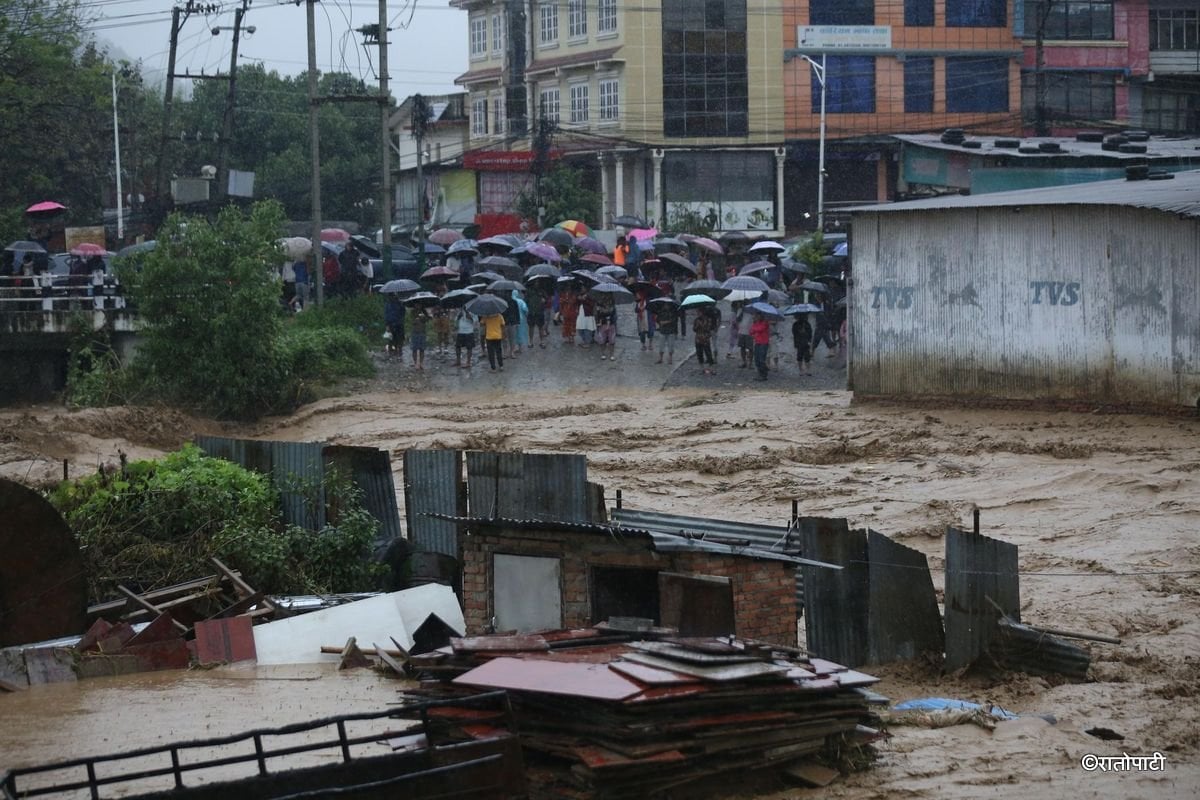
<point x="148" y="606"/>
<point x="225" y="640"/>
<point x="387" y="658"/>
<point x="50" y="665"/>
<point x="495" y="644"/>
<point x="594" y="681"/>
<point x="245" y="589"/>
<point x="728" y="672"/>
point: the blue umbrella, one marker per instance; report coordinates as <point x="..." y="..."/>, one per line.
<point x="463" y="246"/>
<point x="746" y="282"/>
<point x="430" y="247"/>
<point x="765" y="309"/>
<point x="802" y="308"/>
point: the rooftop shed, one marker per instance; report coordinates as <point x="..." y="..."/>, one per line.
<point x="1083" y="293"/>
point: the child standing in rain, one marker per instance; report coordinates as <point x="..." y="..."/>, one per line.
<point x="802" y="338"/>
<point x="702" y="331"/>
<point x="420" y="329"/>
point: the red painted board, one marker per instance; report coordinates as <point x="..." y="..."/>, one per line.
<point x="225" y="640"/>
<point x="600" y="758"/>
<point x="99" y="630"/>
<point x="595" y="681"/>
<point x="161" y="655"/>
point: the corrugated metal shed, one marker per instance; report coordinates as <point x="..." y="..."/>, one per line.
<point x="433" y="484"/>
<point x="977" y="568"/>
<point x="835" y="603"/>
<point x="659" y="540"/>
<point x="528" y="486"/>
<point x="1180" y="195"/>
<point x="298" y="471"/>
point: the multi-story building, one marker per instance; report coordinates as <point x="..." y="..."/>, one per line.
<point x="448" y="190"/>
<point x="669" y="107"/>
<point x="884" y="67"/>
<point x="1084" y="64"/>
<point x="1170" y="101"/>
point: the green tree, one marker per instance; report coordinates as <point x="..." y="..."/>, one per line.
<point x="208" y="297"/>
<point x="563" y="196"/>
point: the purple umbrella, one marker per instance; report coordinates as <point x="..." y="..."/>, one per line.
<point x="544" y="252"/>
<point x="589" y="245"/>
<point x="755" y="266"/>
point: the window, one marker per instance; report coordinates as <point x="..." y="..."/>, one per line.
<point x="918" y="85"/>
<point x="976" y="84"/>
<point x="918" y="13"/>
<point x="849" y="85"/>
<point x="576" y="19"/>
<point x="478" y="37"/>
<point x="1079" y="96"/>
<point x="548" y="104"/>
<point x="1070" y="19"/>
<point x="841" y="12"/>
<point x="479" y="113"/>
<point x="704" y="68"/>
<point x="606" y="16"/>
<point x="498" y="115"/>
<point x="1171" y="107"/>
<point x="548" y="30"/>
<point x="977" y="13"/>
<point x="579" y="103"/>
<point x="609" y="98"/>
<point x="497" y="34"/>
<point x="1174" y="29"/>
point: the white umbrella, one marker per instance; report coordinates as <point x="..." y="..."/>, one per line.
<point x="766" y="246"/>
<point x="295" y="247"/>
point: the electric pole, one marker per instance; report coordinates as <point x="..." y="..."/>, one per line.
<point x="1041" y="126"/>
<point x="160" y="184"/>
<point x="385" y="191"/>
<point x="315" y="136"/>
<point x="227" y="121"/>
<point x="420" y="120"/>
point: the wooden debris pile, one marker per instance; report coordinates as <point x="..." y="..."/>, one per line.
<point x="632" y="716"/>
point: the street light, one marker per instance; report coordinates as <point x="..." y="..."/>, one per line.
<point x="819" y="71"/>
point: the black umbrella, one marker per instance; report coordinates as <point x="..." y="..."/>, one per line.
<point x="422" y="300"/>
<point x="458" y="297"/>
<point x="400" y="286"/>
<point x="487" y="275"/>
<point x="646" y="287"/>
<point x="665" y="300"/>
<point x="613" y="270"/>
<point x="813" y="286"/>
<point x="711" y="288"/>
<point x="24" y="247"/>
<point x="365" y="245"/>
<point x="755" y="266"/>
<point x="134" y="249"/>
<point x="765" y="309"/>
<point x="630" y="221"/>
<point x="486" y="305"/>
<point x="679" y="262"/>
<point x="802" y="308"/>
<point x="556" y="237"/>
<point x="542" y="271"/>
<point x="669" y="241"/>
<point x="506" y="286"/>
<point x="615" y="291"/>
<point x="747" y="283"/>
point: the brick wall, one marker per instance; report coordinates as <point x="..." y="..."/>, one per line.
<point x="764" y="592"/>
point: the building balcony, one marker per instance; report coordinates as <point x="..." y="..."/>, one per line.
<point x="1175" y="62"/>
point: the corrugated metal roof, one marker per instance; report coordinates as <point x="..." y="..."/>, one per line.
<point x="1158" y="147"/>
<point x="528" y="486"/>
<point x="1180" y="195"/>
<point x="433" y="484"/>
<point x="660" y="540"/>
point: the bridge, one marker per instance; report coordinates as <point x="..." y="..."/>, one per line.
<point x="39" y="317"/>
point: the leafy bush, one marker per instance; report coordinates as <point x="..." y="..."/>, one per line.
<point x="158" y="522"/>
<point x="362" y="314"/>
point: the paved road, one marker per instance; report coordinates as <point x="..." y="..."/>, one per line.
<point x="562" y="366"/>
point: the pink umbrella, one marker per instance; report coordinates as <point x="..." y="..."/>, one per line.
<point x="45" y="206"/>
<point x="445" y="236"/>
<point x="543" y="251"/>
<point x="334" y="235"/>
<point x="87" y="249"/>
<point x="643" y="234"/>
<point x="709" y="245"/>
<point x="596" y="258"/>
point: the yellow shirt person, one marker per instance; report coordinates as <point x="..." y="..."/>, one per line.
<point x="493" y="328"/>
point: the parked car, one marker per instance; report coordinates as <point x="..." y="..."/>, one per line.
<point x="404" y="265"/>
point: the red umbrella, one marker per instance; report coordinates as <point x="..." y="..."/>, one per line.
<point x="87" y="249"/>
<point x="44" y="207"/>
<point x="445" y="236"/>
<point x="709" y="245"/>
<point x="335" y="235"/>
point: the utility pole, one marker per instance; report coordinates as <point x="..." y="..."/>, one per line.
<point x="227" y="121"/>
<point x="160" y="183"/>
<point x="385" y="191"/>
<point x="315" y="136"/>
<point x="1041" y="126"/>
<point x="420" y="120"/>
<point x="117" y="156"/>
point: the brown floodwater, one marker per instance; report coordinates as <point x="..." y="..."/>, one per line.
<point x="117" y="714"/>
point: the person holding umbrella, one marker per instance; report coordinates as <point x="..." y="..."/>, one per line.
<point x="393" y="319"/>
<point x="493" y="336"/>
<point x="606" y="326"/>
<point x="568" y="311"/>
<point x="802" y="336"/>
<point x="464" y="336"/>
<point x="666" y="320"/>
<point x="760" y="332"/>
<point x="702" y="332"/>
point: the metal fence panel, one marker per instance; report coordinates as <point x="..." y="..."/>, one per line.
<point x="371" y="471"/>
<point x="977" y="568"/>
<point x="835" y="601"/>
<point x="904" y="621"/>
<point x="528" y="486"/>
<point x="433" y="484"/>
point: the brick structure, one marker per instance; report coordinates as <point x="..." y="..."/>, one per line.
<point x="763" y="589"/>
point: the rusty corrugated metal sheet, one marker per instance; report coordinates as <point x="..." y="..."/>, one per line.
<point x="835" y="601"/>
<point x="433" y="484"/>
<point x="977" y="568"/>
<point x="1032" y="303"/>
<point x="371" y="471"/>
<point x="903" y="620"/>
<point x="528" y="486"/>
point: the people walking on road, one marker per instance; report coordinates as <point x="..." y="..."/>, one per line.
<point x="802" y="336"/>
<point x="512" y="319"/>
<point x="464" y="337"/>
<point x="568" y="309"/>
<point x="493" y="335"/>
<point x="606" y="327"/>
<point x="417" y="336"/>
<point x="666" y="320"/>
<point x="586" y="323"/>
<point x="702" y="331"/>
<point x="393" y="319"/>
<point x="760" y="332"/>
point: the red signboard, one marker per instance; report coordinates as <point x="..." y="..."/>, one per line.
<point x="503" y="160"/>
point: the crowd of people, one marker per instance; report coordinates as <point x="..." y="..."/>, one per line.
<point x="567" y="309"/>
